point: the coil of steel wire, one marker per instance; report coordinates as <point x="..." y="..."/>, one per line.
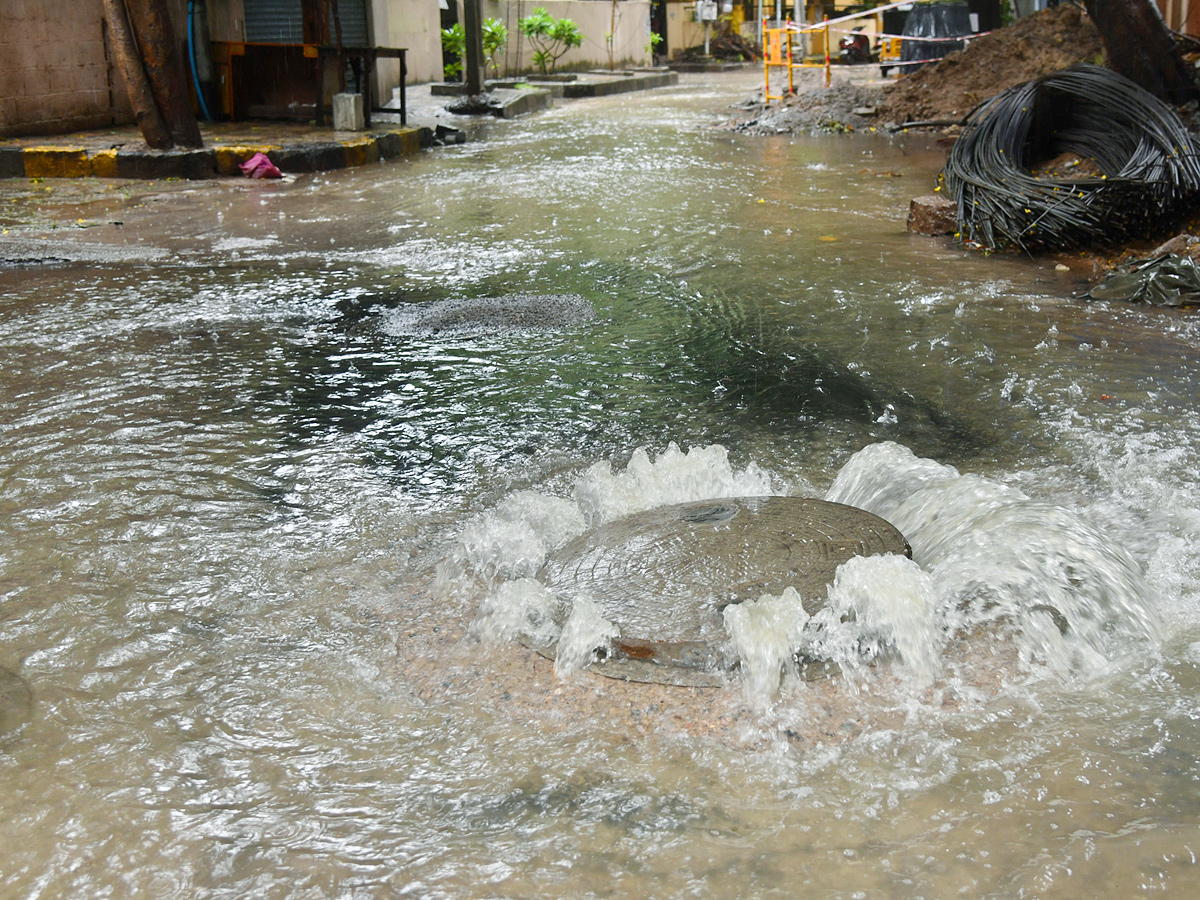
<point x="1147" y="163"/>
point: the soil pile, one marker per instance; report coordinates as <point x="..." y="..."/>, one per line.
<point x="725" y="44"/>
<point x="1036" y="45"/>
<point x="812" y="109"/>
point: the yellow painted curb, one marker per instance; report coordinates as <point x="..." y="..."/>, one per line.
<point x="411" y="138"/>
<point x="56" y="162"/>
<point x="104" y="164"/>
<point x="360" y="152"/>
<point x="233" y="155"/>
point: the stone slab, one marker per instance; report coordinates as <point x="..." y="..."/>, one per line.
<point x="932" y="214"/>
<point x="348" y="112"/>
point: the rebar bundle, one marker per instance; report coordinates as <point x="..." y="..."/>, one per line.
<point x="1148" y="162"/>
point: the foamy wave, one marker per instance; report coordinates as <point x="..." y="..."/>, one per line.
<point x="702" y="473"/>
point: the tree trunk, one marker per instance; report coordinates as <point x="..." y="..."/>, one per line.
<point x="1141" y="48"/>
<point x="473" y="61"/>
<point x="160" y="52"/>
<point x="123" y="47"/>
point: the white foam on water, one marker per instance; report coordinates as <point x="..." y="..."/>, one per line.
<point x="513" y="540"/>
<point x="585" y="636"/>
<point x="677" y="476"/>
<point x="523" y="608"/>
<point x="881" y="476"/>
<point x="880" y="607"/>
<point x="765" y="633"/>
<point x="1070" y="599"/>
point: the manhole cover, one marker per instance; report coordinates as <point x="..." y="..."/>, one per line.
<point x="663" y="576"/>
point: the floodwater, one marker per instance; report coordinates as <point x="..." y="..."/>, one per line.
<point x="268" y="532"/>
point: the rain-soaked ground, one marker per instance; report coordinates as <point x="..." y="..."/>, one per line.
<point x="277" y="469"/>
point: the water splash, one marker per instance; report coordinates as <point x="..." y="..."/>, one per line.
<point x="513" y="540"/>
<point x="1069" y="598"/>
<point x="701" y="473"/>
<point x="990" y="565"/>
<point x="880" y="607"/>
<point x="506" y="547"/>
<point x="766" y="634"/>
<point x="881" y="476"/>
<point x="523" y="609"/>
<point x="585" y="637"/>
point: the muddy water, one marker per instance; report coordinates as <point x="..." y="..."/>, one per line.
<point x="251" y="512"/>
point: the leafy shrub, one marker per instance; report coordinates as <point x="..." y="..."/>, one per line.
<point x="551" y="37"/>
<point x="454" y="40"/>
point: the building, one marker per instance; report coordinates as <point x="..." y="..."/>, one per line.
<point x="252" y="58"/>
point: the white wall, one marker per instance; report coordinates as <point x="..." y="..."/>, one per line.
<point x="55" y="73"/>
<point x="594" y="18"/>
<point x="415" y="25"/>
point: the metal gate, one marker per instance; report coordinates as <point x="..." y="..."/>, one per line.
<point x="282" y="22"/>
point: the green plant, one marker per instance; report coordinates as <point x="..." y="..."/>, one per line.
<point x="652" y="44"/>
<point x="550" y="37"/>
<point x="495" y="36"/>
<point x="454" y="40"/>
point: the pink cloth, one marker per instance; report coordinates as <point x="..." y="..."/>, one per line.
<point x="259" y="166"/>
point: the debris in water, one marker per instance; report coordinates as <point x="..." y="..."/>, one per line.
<point x="1165" y="280"/>
<point x="260" y="166"/>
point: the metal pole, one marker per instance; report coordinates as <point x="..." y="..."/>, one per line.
<point x="827" y="80"/>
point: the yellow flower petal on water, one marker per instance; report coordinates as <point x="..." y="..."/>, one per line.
<point x="827" y="237"/>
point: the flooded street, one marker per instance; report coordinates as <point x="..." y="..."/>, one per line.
<point x="275" y="467"/>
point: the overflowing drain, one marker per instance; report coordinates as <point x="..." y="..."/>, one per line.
<point x="664" y="576"/>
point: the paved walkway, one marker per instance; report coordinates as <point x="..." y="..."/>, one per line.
<point x="120" y="152"/>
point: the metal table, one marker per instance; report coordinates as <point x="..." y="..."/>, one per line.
<point x="362" y="62"/>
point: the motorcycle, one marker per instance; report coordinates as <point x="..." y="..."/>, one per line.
<point x="854" y="48"/>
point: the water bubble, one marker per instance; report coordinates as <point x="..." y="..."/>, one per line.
<point x="700" y="473"/>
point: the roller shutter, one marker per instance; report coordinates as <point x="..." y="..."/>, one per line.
<point x="282" y="22"/>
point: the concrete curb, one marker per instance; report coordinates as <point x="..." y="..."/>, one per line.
<point x="644" y="82"/>
<point x="210" y="162"/>
<point x="514" y="101"/>
<point x="710" y="66"/>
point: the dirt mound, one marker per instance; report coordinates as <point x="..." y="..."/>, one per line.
<point x="1036" y="45"/>
<point x="813" y="109"/>
<point x="725" y="44"/>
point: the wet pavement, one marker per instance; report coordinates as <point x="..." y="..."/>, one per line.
<point x="120" y="152"/>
